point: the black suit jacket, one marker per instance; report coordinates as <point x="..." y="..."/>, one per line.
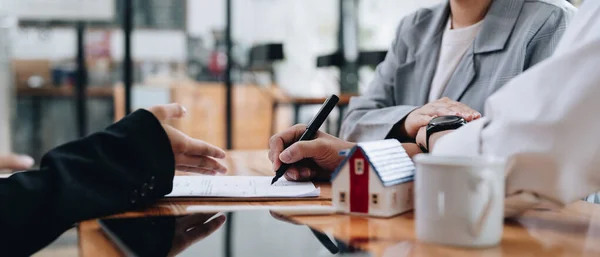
<point x="126" y="166"/>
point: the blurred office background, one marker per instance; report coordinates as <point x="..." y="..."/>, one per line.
<point x="286" y="57"/>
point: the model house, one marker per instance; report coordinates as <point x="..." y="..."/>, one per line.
<point x="375" y="179"/>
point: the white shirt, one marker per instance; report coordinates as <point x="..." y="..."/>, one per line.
<point x="546" y="121"/>
<point x="455" y="43"/>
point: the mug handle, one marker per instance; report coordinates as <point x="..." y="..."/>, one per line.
<point x="477" y="227"/>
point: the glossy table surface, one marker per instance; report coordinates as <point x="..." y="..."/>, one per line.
<point x="571" y="231"/>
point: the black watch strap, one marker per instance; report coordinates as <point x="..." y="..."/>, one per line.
<point x="428" y="134"/>
<point x="423" y="149"/>
<point x="441" y="123"/>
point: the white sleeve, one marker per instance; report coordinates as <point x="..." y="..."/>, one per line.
<point x="462" y="142"/>
<point x="546" y="120"/>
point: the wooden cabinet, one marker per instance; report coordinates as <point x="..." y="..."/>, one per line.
<point x="252" y="118"/>
<point x="206" y="112"/>
<point x="205" y="102"/>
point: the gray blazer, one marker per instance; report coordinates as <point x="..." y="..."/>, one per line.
<point x="516" y="34"/>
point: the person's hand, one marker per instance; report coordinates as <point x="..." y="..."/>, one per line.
<point x="191" y="155"/>
<point x="15" y="162"/>
<point x="411" y="149"/>
<point x="420" y="117"/>
<point x="193" y="228"/>
<point x="422" y="137"/>
<point x="318" y="157"/>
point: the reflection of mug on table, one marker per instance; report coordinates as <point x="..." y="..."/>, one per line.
<point x="459" y="200"/>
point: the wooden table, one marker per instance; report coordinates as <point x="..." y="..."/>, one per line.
<point x="572" y="231"/>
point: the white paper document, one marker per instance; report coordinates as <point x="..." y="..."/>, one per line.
<point x="240" y="186"/>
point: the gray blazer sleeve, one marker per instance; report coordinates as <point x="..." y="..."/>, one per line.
<point x="376" y="110"/>
<point x="546" y="39"/>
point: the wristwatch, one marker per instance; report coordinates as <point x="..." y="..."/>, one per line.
<point x="441" y="123"/>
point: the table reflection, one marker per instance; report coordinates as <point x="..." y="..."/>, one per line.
<point x="252" y="233"/>
<point x="193" y="228"/>
<point x="572" y="231"/>
<point x="161" y="236"/>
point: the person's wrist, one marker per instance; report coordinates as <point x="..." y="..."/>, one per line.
<point x="433" y="138"/>
<point x="420" y="138"/>
<point x="403" y="129"/>
<point x="411" y="149"/>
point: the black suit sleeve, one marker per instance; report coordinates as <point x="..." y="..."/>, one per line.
<point x="126" y="166"/>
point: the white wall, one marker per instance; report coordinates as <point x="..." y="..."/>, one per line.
<point x="60" y="43"/>
<point x="60" y="9"/>
<point x="311" y="30"/>
<point x="155" y="45"/>
<point x="54" y="44"/>
<point x="379" y="19"/>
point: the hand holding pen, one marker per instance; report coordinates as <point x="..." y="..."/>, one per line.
<point x="305" y="159"/>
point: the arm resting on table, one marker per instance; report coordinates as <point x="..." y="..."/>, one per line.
<point x="128" y="165"/>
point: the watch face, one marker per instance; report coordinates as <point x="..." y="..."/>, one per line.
<point x="441" y="120"/>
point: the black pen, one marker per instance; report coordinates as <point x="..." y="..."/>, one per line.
<point x="311" y="130"/>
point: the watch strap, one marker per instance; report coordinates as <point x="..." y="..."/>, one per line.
<point x="427" y="135"/>
<point x="423" y="149"/>
<point x="433" y="129"/>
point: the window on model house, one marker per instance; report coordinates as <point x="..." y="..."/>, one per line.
<point x="359" y="166"/>
<point x="374" y="198"/>
<point x="342" y="197"/>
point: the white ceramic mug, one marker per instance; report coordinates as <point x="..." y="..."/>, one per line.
<point x="459" y="201"/>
